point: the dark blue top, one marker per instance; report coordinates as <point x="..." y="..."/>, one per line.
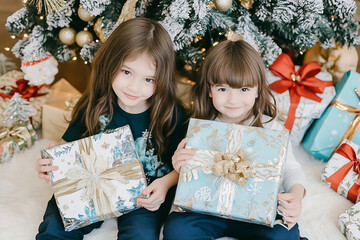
<point x="139" y="125"/>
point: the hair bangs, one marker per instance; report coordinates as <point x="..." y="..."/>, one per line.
<point x="236" y="74"/>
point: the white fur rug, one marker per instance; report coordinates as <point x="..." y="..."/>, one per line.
<point x="23" y="199"/>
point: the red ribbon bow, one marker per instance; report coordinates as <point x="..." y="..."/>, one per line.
<point x="300" y="83"/>
<point x="348" y="152"/>
<point x="24" y="90"/>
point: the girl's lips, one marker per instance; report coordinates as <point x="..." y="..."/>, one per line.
<point x="130" y="96"/>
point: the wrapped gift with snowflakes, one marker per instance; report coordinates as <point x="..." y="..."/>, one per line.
<point x="99" y="177"/>
<point x="14" y="139"/>
<point x="342" y="171"/>
<point x="349" y="222"/>
<point x="235" y="173"/>
<point x="301" y="93"/>
<point x="341" y="120"/>
<point x="57" y="110"/>
<point x="13" y="82"/>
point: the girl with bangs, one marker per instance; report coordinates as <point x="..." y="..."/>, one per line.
<point x="232" y="88"/>
<point x="132" y="82"/>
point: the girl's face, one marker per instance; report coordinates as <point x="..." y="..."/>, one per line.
<point x="233" y="104"/>
<point x="134" y="83"/>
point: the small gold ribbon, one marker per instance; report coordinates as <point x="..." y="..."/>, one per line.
<point x="95" y="178"/>
<point x="18" y="130"/>
<point x="235" y="167"/>
<point x="355" y="123"/>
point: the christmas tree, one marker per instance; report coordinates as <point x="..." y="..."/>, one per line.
<point x="18" y="110"/>
<point x="70" y="28"/>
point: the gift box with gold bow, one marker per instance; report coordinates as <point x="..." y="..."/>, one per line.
<point x="342" y="171"/>
<point x="301" y="93"/>
<point x="12" y="82"/>
<point x="349" y="223"/>
<point x="57" y="110"/>
<point x="99" y="177"/>
<point x="341" y="120"/>
<point x="236" y="172"/>
<point x="14" y="139"/>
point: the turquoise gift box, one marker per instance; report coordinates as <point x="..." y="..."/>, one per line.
<point x="339" y="121"/>
<point x="99" y="177"/>
<point x="236" y="171"/>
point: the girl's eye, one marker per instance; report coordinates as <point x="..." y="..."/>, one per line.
<point x="149" y="80"/>
<point x="222" y="89"/>
<point x="244" y="89"/>
<point x="126" y="72"/>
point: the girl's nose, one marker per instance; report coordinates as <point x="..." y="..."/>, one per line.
<point x="233" y="97"/>
<point x="133" y="85"/>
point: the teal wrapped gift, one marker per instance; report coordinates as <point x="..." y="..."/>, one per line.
<point x="236" y="171"/>
<point x="341" y="120"/>
<point x="99" y="177"/>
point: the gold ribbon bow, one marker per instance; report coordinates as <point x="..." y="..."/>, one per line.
<point x="355" y="123"/>
<point x="235" y="167"/>
<point x="96" y="179"/>
<point x="18" y="130"/>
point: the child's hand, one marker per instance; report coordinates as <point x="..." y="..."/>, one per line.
<point x="42" y="167"/>
<point x="158" y="192"/>
<point x="181" y="155"/>
<point x="290" y="207"/>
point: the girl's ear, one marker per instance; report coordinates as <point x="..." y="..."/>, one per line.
<point x="210" y="94"/>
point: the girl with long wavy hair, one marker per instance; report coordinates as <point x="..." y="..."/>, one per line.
<point x="132" y="82"/>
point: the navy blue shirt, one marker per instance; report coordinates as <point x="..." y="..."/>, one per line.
<point x="139" y="125"/>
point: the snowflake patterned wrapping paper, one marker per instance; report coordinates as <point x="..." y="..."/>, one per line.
<point x="255" y="159"/>
<point x="349" y="223"/>
<point x="301" y="93"/>
<point x="342" y="171"/>
<point x="339" y="121"/>
<point x="99" y="177"/>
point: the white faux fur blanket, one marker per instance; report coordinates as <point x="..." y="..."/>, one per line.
<point x="23" y="199"/>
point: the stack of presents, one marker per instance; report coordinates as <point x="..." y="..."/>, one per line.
<point x="230" y="176"/>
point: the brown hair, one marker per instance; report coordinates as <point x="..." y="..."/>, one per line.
<point x="132" y="38"/>
<point x="238" y="65"/>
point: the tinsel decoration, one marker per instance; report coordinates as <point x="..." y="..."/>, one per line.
<point x="223" y="5"/>
<point x="127" y="12"/>
<point x="51" y="6"/>
<point x="247" y="3"/>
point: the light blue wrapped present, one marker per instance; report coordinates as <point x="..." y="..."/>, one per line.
<point x="341" y="120"/>
<point x="99" y="177"/>
<point x="236" y="172"/>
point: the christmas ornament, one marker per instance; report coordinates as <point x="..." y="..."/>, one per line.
<point x="83" y="37"/>
<point x="67" y="36"/>
<point x="233" y="36"/>
<point x="223" y="5"/>
<point x="40" y="72"/>
<point x="336" y="61"/>
<point x="99" y="31"/>
<point x="127" y="12"/>
<point x="84" y="15"/>
<point x="247" y="3"/>
<point x="51" y="6"/>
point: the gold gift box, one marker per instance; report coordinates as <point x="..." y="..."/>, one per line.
<point x="56" y="114"/>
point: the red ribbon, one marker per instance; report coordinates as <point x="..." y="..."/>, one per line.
<point x="300" y="83"/>
<point x="348" y="152"/>
<point x="24" y="90"/>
